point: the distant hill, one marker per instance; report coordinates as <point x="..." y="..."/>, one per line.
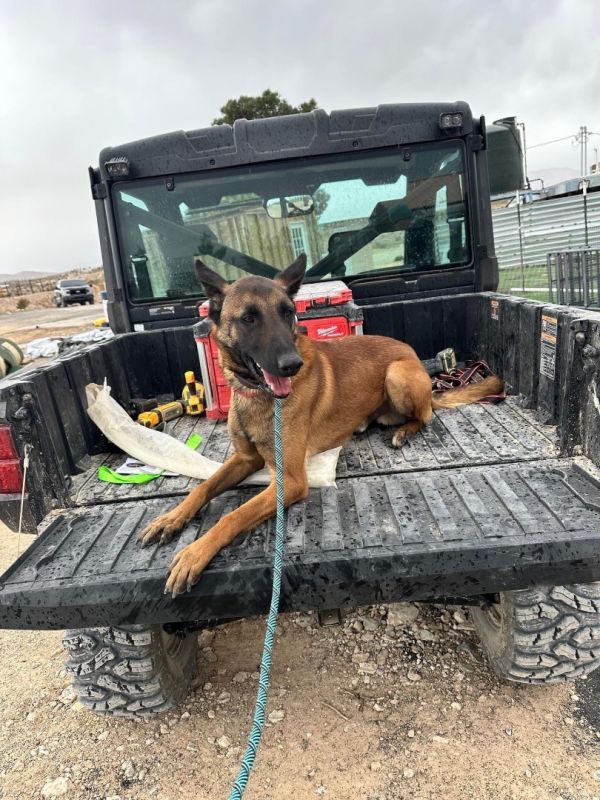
<point x="24" y="275"/>
<point x="34" y="275"/>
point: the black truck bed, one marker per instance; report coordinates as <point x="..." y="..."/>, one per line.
<point x="467" y="436"/>
<point x="487" y="498"/>
<point x="477" y="503"/>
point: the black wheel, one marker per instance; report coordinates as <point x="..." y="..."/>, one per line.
<point x="130" y="671"/>
<point x="550" y="634"/>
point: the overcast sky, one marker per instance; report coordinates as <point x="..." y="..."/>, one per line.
<point x="77" y="75"/>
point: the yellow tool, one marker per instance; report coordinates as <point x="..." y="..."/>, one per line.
<point x="193" y="395"/>
<point x="164" y="412"/>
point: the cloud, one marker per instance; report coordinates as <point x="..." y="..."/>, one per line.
<point x="79" y="76"/>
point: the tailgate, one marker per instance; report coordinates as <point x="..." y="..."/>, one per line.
<point x="416" y="535"/>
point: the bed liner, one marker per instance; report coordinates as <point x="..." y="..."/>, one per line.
<point x="475" y="434"/>
<point x="478" y="502"/>
<point x="462" y="530"/>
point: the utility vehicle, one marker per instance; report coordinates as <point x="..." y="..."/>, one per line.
<point x="497" y="506"/>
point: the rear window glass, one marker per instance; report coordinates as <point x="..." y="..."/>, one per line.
<point x="400" y="210"/>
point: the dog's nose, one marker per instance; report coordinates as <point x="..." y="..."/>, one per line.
<point x="289" y="364"/>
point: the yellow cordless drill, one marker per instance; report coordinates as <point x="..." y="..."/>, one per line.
<point x="164" y="412"/>
<point x="193" y="395"/>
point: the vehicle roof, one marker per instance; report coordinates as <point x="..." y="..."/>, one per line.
<point x="293" y="136"/>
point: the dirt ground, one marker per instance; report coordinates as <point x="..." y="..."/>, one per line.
<point x="24" y="326"/>
<point x="421" y="718"/>
<point x="41" y="318"/>
<point x="38" y="300"/>
<point x="8" y="305"/>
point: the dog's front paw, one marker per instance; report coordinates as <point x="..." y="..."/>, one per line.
<point x="163" y="528"/>
<point x="187" y="566"/>
<point x="398" y="438"/>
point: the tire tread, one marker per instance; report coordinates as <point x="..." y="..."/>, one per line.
<point x="550" y="634"/>
<point x="124" y="672"/>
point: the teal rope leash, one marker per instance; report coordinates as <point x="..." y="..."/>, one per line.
<point x="265" y="665"/>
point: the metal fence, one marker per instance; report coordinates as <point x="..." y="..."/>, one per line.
<point x="525" y="234"/>
<point x="19" y="288"/>
<point x="574" y="278"/>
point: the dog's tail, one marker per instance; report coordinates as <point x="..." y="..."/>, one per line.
<point x="463" y="395"/>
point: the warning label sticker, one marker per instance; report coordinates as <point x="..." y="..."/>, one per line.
<point x="158" y="310"/>
<point x="548" y="346"/>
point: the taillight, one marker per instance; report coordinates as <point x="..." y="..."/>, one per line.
<point x="11" y="477"/>
<point x="8" y="451"/>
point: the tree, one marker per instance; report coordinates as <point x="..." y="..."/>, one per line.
<point x="321" y="199"/>
<point x="267" y="104"/>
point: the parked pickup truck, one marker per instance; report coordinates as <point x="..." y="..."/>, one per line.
<point x="73" y="290"/>
<point x="497" y="506"/>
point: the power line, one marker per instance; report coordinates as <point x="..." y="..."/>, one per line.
<point x="562" y="139"/>
<point x="553" y="141"/>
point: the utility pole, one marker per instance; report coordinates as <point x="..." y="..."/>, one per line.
<point x="583" y="184"/>
<point x="582" y="138"/>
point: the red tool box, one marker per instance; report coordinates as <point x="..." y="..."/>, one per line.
<point x="325" y="311"/>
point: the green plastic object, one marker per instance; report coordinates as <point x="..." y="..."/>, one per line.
<point x="109" y="475"/>
<point x="193" y="441"/>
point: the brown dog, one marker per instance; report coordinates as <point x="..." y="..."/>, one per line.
<point x="332" y="388"/>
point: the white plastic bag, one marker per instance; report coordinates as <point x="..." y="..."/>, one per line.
<point x="164" y="452"/>
<point x="42" y="348"/>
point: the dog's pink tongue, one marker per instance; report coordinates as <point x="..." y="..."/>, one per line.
<point x="280" y="387"/>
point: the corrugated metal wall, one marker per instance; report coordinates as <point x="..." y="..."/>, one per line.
<point x="547" y="226"/>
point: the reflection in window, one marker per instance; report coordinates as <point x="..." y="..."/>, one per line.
<point x="299" y="241"/>
<point x="364" y="213"/>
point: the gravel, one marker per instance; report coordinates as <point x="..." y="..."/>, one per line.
<point x="400" y="614"/>
<point x="223" y="742"/>
<point x="128" y="769"/>
<point x="205" y="638"/>
<point x="59" y="787"/>
<point x="347" y="698"/>
<point x="369" y="624"/>
<point x="209" y="655"/>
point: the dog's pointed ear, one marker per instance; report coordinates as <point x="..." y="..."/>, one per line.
<point x="214" y="286"/>
<point x="292" y="277"/>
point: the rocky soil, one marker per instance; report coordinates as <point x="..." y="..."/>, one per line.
<point x="398" y="702"/>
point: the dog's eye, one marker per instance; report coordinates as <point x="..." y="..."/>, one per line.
<point x="288" y="313"/>
<point x="248" y="319"/>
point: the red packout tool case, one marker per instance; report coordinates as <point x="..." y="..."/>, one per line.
<point x="325" y="311"/>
